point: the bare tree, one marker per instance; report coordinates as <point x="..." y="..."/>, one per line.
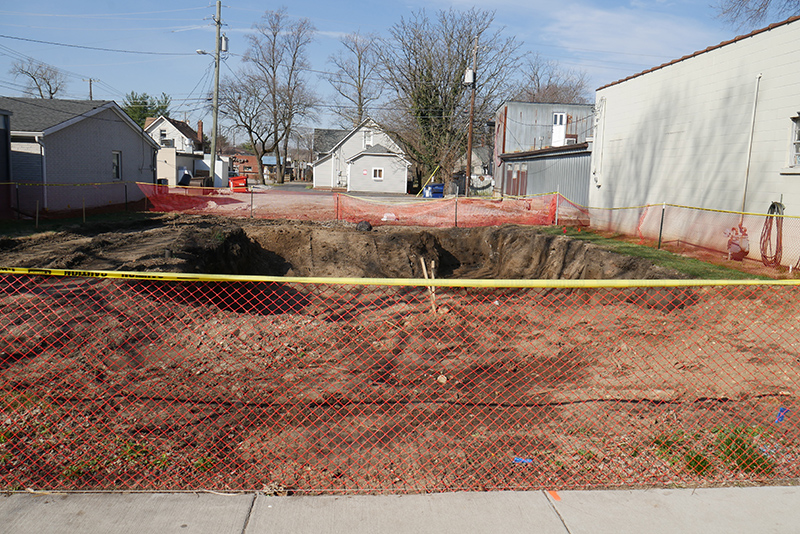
<point x="355" y="80"/>
<point x="246" y="104"/>
<point x="277" y="57"/>
<point x="42" y="79"/>
<point x="752" y="12"/>
<point x="545" y="81"/>
<point x="424" y="61"/>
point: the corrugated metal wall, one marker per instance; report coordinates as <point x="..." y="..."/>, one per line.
<point x="568" y="174"/>
<point x="529" y="126"/>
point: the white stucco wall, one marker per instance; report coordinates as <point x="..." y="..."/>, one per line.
<point x="680" y="134"/>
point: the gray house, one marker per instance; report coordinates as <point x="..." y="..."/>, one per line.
<point x="88" y="143"/>
<point x="364" y="159"/>
<point x="543" y="148"/>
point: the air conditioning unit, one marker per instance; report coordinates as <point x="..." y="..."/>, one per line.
<point x="168" y="143"/>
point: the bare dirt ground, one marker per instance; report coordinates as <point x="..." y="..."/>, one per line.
<point x="323" y="388"/>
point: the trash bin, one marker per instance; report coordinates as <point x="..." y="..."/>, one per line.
<point x="433" y="191"/>
<point x="238" y="184"/>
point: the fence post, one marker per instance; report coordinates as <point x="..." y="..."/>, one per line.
<point x="661" y="227"/>
<point x="456" y="214"/>
<point x="251" y="203"/>
<point x="558" y="203"/>
<point x="19" y="208"/>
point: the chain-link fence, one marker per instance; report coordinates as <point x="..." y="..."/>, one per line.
<point x="163" y="382"/>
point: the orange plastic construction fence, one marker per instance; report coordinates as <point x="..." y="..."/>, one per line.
<point x="322" y="206"/>
<point x="155" y="383"/>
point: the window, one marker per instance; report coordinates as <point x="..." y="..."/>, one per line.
<point x="367" y="138"/>
<point x="795" y="160"/>
<point x="162" y="134"/>
<point x="558" y="119"/>
<point x="377" y="173"/>
<point x="116" y="165"/>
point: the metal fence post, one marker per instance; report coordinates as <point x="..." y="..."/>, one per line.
<point x="19" y="208"/>
<point x="661" y="227"/>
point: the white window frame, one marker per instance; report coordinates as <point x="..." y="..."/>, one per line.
<point x="369" y="138"/>
<point x="116" y="165"/>
<point x="794" y="159"/>
<point x="379" y="172"/>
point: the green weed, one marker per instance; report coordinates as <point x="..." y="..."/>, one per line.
<point x="698" y="463"/>
<point x="80" y="469"/>
<point x="204" y="464"/>
<point x="735" y="446"/>
<point x="133" y="452"/>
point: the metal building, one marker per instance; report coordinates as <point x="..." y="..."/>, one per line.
<point x="565" y="170"/>
<point x="543" y="148"/>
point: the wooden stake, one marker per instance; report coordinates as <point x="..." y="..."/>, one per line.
<point x="431" y="289"/>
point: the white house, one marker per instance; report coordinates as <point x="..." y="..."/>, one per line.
<point x="364" y="159"/>
<point x="717" y="129"/>
<point x="91" y="143"/>
<point x="181" y="149"/>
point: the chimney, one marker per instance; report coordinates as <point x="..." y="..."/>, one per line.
<point x="200" y="131"/>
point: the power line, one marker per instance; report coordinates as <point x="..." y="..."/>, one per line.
<point x="96" y="48"/>
<point x="100" y="15"/>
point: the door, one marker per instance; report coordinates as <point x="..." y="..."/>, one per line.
<point x="559" y="129"/>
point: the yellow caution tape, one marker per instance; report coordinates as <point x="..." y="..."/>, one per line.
<point x="541" y="284"/>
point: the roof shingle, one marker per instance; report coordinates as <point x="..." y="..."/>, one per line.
<point x="38" y="114"/>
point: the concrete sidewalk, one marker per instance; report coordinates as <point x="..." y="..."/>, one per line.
<point x="707" y="511"/>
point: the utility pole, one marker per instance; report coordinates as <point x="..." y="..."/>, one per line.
<point x="90" y="80"/>
<point x="215" y="100"/>
<point x="471" y="117"/>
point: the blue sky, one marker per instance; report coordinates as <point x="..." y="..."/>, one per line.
<point x="608" y="39"/>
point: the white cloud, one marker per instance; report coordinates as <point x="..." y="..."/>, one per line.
<point x="624" y="40"/>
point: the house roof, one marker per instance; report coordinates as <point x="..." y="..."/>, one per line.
<point x="378" y="150"/>
<point x="709" y="49"/>
<point x="185" y="130"/>
<point x="325" y="140"/>
<point x="39" y="114"/>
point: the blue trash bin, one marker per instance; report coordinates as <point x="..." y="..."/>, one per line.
<point x="433" y="191"/>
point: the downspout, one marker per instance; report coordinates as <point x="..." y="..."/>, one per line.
<point x="750" y="148"/>
<point x="503" y="151"/>
<point x="40" y="141"/>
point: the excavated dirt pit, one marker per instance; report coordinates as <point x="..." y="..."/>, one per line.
<point x="210" y="245"/>
<point x="112" y="384"/>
